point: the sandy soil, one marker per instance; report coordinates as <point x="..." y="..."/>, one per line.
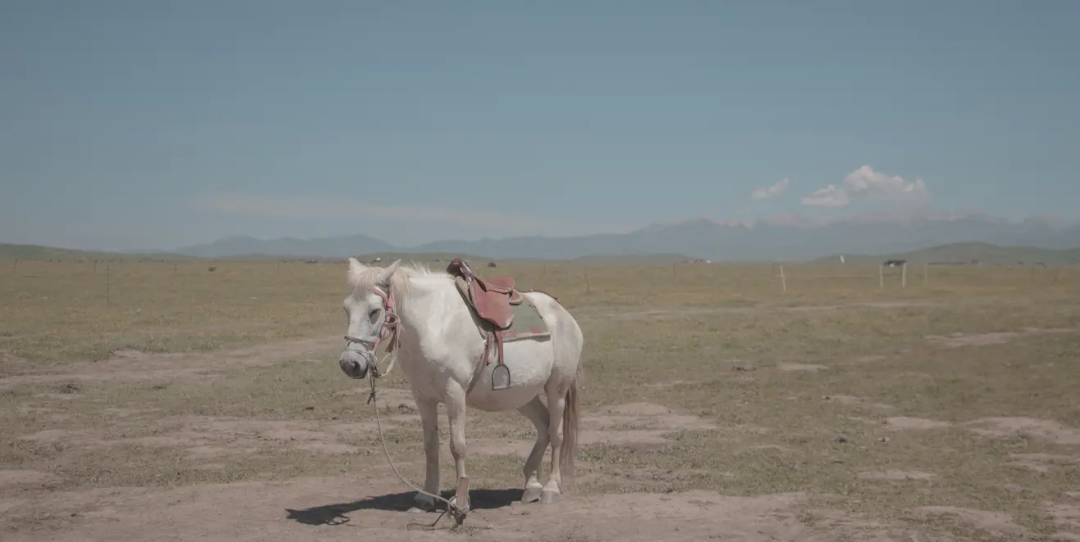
<point x="371" y="504"/>
<point x="354" y="507"/>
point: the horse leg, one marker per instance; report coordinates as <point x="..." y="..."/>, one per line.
<point x="556" y="403"/>
<point x="537" y="413"/>
<point x="429" y="416"/>
<point x="455" y="412"/>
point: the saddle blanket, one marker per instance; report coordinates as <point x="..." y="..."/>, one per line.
<point x="527" y="323"/>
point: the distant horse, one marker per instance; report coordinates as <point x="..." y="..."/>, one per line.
<point x="440" y="345"/>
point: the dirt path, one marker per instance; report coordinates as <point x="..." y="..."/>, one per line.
<point x="354" y="506"/>
<point x="134" y="365"/>
<point x="365" y="501"/>
<point x="360" y="503"/>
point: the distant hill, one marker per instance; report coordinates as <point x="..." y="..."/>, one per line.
<point x="10" y="251"/>
<point x="968" y="252"/>
<point x="782" y="238"/>
<point x="429" y="258"/>
<point x="326" y="247"/>
<point x="947" y="253"/>
<point x="787" y="238"/>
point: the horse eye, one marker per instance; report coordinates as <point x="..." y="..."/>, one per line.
<point x="374" y="313"/>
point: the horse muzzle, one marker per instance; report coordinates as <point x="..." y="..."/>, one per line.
<point x="354" y="363"/>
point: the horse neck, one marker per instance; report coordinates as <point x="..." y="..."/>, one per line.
<point x="425" y="306"/>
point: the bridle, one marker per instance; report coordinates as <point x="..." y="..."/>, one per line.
<point x="389" y="327"/>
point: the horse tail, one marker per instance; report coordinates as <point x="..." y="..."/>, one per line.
<point x="571" y="420"/>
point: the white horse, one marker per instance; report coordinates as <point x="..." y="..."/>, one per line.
<point x="440" y="353"/>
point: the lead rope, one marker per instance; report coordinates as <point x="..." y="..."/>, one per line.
<point x="459" y="515"/>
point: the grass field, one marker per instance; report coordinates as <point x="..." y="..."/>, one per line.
<point x="147" y="401"/>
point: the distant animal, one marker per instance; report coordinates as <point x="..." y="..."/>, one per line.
<point x="452" y="331"/>
<point x="493" y="264"/>
<point x="894" y="263"/>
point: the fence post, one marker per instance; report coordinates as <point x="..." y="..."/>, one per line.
<point x="587" y="288"/>
<point x="108" y="284"/>
<point x="881" y="276"/>
<point x="783" y="278"/>
<point x="903" y="275"/>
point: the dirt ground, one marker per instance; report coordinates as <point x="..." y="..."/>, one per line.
<point x="368" y="501"/>
<point x="932" y="416"/>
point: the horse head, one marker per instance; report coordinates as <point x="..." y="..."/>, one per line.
<point x="370" y="316"/>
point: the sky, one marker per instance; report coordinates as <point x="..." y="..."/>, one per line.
<point x="145" y="124"/>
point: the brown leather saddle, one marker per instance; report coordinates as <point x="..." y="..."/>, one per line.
<point x="492" y="300"/>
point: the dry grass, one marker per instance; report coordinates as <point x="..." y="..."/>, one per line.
<point x="697" y="378"/>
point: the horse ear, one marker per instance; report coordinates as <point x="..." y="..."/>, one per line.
<point x="355" y="267"/>
<point x="385" y="274"/>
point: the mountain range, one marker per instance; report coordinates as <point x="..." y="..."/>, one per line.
<point x="779" y="238"/>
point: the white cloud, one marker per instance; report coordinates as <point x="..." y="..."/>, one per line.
<point x="324" y="208"/>
<point x="877" y="185"/>
<point x="767" y="192"/>
<point x="830" y="196"/>
<point x="866" y="184"/>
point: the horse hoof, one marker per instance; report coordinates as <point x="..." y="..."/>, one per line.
<point x="549" y="497"/>
<point x="531" y="494"/>
<point x="463" y="509"/>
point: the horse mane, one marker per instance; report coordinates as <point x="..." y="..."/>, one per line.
<point x="400" y="281"/>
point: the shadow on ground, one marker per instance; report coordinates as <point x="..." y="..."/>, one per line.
<point x="335" y="514"/>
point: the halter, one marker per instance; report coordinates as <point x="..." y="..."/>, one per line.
<point x="389" y="327"/>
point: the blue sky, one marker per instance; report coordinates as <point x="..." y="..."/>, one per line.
<point x="151" y="124"/>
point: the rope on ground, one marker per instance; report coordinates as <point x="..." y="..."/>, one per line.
<point x="459" y="515"/>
